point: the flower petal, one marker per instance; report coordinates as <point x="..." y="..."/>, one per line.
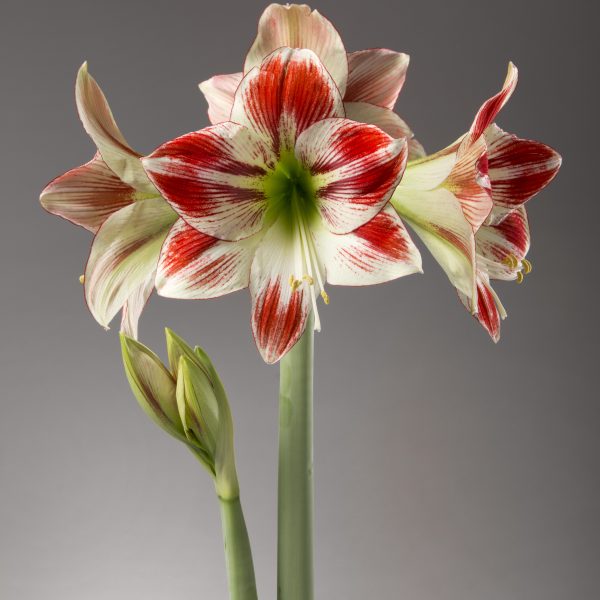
<point x="518" y="168"/>
<point x="124" y="255"/>
<point x="134" y="306"/>
<point x="355" y="169"/>
<point x="98" y="121"/>
<point x="296" y="26"/>
<point x="213" y="179"/>
<point x="288" y="93"/>
<point x="376" y="76"/>
<point x="488" y="310"/>
<point x="219" y="92"/>
<point x="378" y="251"/>
<point x="87" y="195"/>
<point x="431" y="171"/>
<point x="387" y="121"/>
<point x="279" y="311"/>
<point x="437" y="218"/>
<point x="194" y="265"/>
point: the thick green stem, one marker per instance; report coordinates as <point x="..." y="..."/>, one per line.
<point x="296" y="488"/>
<point x="240" y="569"/>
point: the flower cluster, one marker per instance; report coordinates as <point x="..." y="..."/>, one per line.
<point x="303" y="179"/>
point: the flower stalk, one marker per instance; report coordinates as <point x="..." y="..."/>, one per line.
<point x="296" y="485"/>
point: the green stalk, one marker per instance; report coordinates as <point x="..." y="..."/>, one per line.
<point x="296" y="488"/>
<point x="238" y="556"/>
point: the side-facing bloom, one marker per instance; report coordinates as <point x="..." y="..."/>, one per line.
<point x="368" y="80"/>
<point x="112" y="197"/>
<point x="285" y="196"/>
<point x="466" y="203"/>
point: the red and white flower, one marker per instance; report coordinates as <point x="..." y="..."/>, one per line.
<point x="368" y="80"/>
<point x="287" y="195"/>
<point x="112" y="197"/>
<point x="466" y="203"/>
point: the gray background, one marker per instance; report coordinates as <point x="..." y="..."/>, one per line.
<point x="447" y="468"/>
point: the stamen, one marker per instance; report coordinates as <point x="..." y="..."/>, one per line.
<point x="309" y="279"/>
<point x="82" y="279"/>
<point x="511" y="260"/>
<point x="527" y="266"/>
<point x="325" y="296"/>
<point x="520" y="277"/>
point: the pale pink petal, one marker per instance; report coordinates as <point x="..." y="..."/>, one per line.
<point x="213" y="179"/>
<point x="291" y="91"/>
<point x="296" y="26"/>
<point x="134" y="306"/>
<point x="376" y="76"/>
<point x="98" y="121"/>
<point x="488" y="310"/>
<point x="279" y="310"/>
<point x="355" y="169"/>
<point x="219" y="92"/>
<point x="387" y="121"/>
<point x="518" y="168"/>
<point x="87" y="195"/>
<point x="124" y="255"/>
<point x="378" y="251"/>
<point x="194" y="265"/>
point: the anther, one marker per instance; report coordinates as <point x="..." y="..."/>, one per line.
<point x="526" y="266"/>
<point x="82" y="279"/>
<point x="511" y="260"/>
<point x="325" y="296"/>
<point x="520" y="277"/>
<point x="309" y="279"/>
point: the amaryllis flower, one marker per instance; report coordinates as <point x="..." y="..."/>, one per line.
<point x="112" y="197"/>
<point x="466" y="203"/>
<point x="287" y="195"/>
<point x="369" y="80"/>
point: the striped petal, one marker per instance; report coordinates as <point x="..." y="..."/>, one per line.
<point x="355" y="169"/>
<point x="431" y="171"/>
<point x="124" y="255"/>
<point x="387" y="121"/>
<point x="288" y="93"/>
<point x="279" y="310"/>
<point x="219" y="92"/>
<point x="98" y="121"/>
<point x="213" y="179"/>
<point x="378" y="251"/>
<point x="437" y="218"/>
<point x="376" y="76"/>
<point x="87" y="195"/>
<point x="296" y="26"/>
<point x="518" y="168"/>
<point x="194" y="265"/>
<point x="488" y="309"/>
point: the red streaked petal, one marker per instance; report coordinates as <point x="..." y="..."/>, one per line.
<point x="296" y="26"/>
<point x="355" y="169"/>
<point x="279" y="311"/>
<point x="213" y="179"/>
<point x="489" y="310"/>
<point x="98" y="121"/>
<point x="219" y="92"/>
<point x="87" y="195"/>
<point x="518" y="168"/>
<point x="469" y="182"/>
<point x="387" y="121"/>
<point x="194" y="265"/>
<point x="376" y="76"/>
<point x="491" y="107"/>
<point x="288" y="93"/>
<point x="378" y="251"/>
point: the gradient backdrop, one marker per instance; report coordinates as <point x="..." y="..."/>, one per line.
<point x="447" y="468"/>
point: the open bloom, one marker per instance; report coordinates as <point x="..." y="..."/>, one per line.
<point x="368" y="80"/>
<point x="287" y="195"/>
<point x="466" y="203"/>
<point x="112" y="197"/>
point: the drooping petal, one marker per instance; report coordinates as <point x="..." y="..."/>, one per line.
<point x="288" y="93"/>
<point x="296" y="26"/>
<point x="98" y="121"/>
<point x="502" y="247"/>
<point x="355" y="169"/>
<point x="386" y="120"/>
<point x="488" y="309"/>
<point x="219" y="92"/>
<point x="518" y="168"/>
<point x="194" y="265"/>
<point x="437" y="218"/>
<point x="213" y="179"/>
<point x="87" y="195"/>
<point x="124" y="255"/>
<point x="279" y="310"/>
<point x="491" y="107"/>
<point x="378" y="251"/>
<point x="376" y="76"/>
<point x="134" y="306"/>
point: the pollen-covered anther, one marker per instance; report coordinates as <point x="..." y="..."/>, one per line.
<point x="82" y="279"/>
<point x="527" y="266"/>
<point x="520" y="277"/>
<point x="511" y="261"/>
<point x="325" y="296"/>
<point x="309" y="280"/>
